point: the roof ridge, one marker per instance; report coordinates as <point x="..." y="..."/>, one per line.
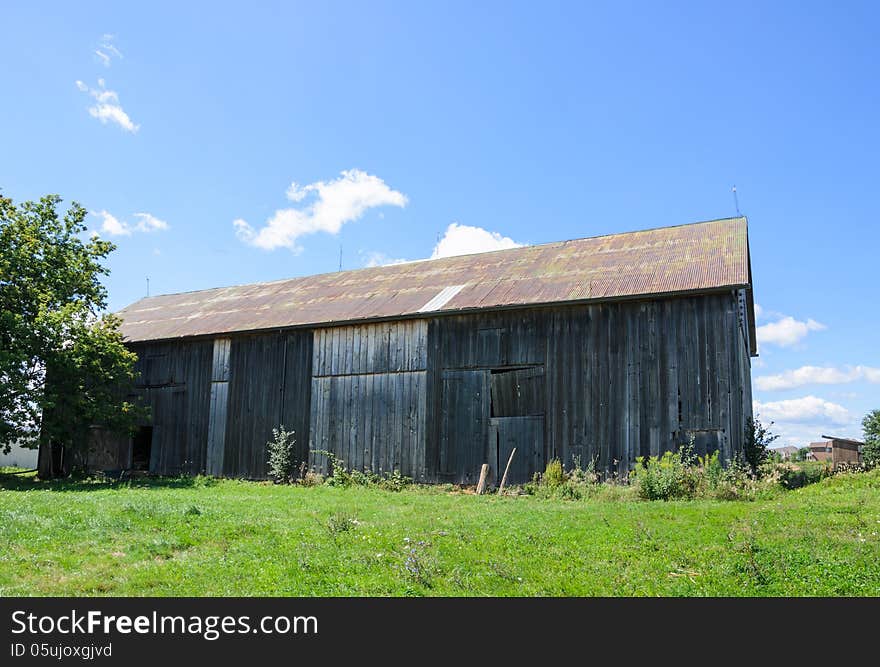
<point x="438" y="259"/>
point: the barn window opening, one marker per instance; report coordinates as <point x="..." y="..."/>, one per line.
<point x="516" y="392"/>
<point x="142" y="448"/>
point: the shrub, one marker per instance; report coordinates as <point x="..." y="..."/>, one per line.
<point x="756" y="447"/>
<point x="280" y="449"/>
<point x="553" y="473"/>
<point x="795" y="476"/>
<point x="578" y="483"/>
<point x="311" y="478"/>
<point x="736" y="482"/>
<point x="339" y="523"/>
<point x="342" y="476"/>
<point x="673" y="476"/>
<point x="871" y="451"/>
<point x="395" y="482"/>
<point x="583" y="474"/>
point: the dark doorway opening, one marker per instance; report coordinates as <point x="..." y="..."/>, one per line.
<point x="142" y="448"/>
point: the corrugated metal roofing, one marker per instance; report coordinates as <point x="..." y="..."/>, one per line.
<point x="697" y="257"/>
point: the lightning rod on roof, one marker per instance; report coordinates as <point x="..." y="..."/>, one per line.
<point x="735" y="200"/>
<point x="340" y="257"/>
<point x="148" y="285"/>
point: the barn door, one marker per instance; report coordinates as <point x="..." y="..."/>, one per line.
<point x="464" y="425"/>
<point x="526" y="434"/>
<point x="517" y="421"/>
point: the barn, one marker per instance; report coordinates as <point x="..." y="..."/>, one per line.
<point x="593" y="350"/>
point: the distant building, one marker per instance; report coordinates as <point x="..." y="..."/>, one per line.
<point x="836" y="450"/>
<point x="787" y="453"/>
<point x="19" y="456"/>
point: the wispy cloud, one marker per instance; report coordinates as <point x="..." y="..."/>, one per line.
<point x="107" y="108"/>
<point x="107" y="50"/>
<point x="149" y="223"/>
<point x="787" y="331"/>
<point x="325" y="206"/>
<point x="817" y="375"/>
<point x="113" y="226"/>
<point x="373" y="258"/>
<point x="467" y="240"/>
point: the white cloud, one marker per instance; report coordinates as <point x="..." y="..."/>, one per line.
<point x="107" y="108"/>
<point x="759" y="311"/>
<point x="149" y="223"/>
<point x="817" y="375"/>
<point x="458" y="240"/>
<point x="112" y="226"/>
<point x="809" y="409"/>
<point x="466" y="240"/>
<point x="334" y="203"/>
<point x="373" y="258"/>
<point x="787" y="331"/>
<point x="800" y="421"/>
<point x="106" y="50"/>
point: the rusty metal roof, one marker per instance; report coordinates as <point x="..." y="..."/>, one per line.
<point x="702" y="256"/>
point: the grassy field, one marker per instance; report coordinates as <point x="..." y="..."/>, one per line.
<point x="206" y="537"/>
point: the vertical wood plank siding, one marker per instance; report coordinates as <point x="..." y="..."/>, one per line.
<point x="437" y="397"/>
<point x="268" y="387"/>
<point x="369" y="396"/>
<point x="621" y="380"/>
<point x="636" y="379"/>
<point x="218" y="415"/>
<point x="174" y="380"/>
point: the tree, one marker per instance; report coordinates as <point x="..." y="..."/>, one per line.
<point x="63" y="364"/>
<point x="871" y="427"/>
<point x="756" y="448"/>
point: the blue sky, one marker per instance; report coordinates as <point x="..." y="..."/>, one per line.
<point x="420" y="129"/>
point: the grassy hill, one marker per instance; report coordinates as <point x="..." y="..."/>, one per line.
<point x="207" y="537"/>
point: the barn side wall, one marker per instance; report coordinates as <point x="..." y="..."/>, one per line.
<point x="638" y="379"/>
<point x="268" y="386"/>
<point x="438" y="397"/>
<point x="369" y="387"/>
<point x="214" y="403"/>
<point x="174" y="382"/>
<point x="619" y="380"/>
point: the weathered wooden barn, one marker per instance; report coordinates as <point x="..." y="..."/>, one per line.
<point x="599" y="349"/>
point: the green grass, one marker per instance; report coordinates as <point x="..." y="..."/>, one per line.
<point x="206" y="537"/>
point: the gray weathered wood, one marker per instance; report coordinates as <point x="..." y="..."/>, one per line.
<point x="506" y="470"/>
<point x="599" y="382"/>
<point x="484" y="476"/>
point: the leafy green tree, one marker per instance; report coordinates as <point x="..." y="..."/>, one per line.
<point x="756" y="448"/>
<point x="871" y="427"/>
<point x="63" y="364"/>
